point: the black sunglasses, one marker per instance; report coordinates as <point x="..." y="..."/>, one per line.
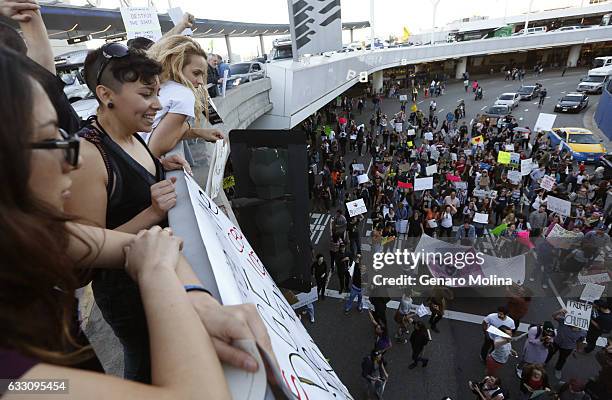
<point x="69" y="143"/>
<point x="110" y="51"/>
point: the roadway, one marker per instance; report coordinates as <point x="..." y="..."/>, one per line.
<point x="454" y="352"/>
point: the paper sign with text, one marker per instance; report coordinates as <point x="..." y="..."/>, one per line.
<point x="141" y="22"/>
<point x="356" y="207"/>
<point x="592" y="292"/>
<point x="578" y="314"/>
<point x="431" y="169"/>
<point x="559" y="206"/>
<point x="423" y="183"/>
<point x="242" y="278"/>
<point x="526" y="166"/>
<point x="547" y="183"/>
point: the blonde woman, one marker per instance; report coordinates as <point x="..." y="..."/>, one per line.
<point x="184" y="68"/>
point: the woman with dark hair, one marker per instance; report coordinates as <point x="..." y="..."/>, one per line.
<point x="419" y="338"/>
<point x="41" y="247"/>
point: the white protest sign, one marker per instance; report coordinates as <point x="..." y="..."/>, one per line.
<point x="353" y="137"/>
<point x="480" y="193"/>
<point x="559" y="206"/>
<point x="431" y="169"/>
<point x="515" y="158"/>
<point x="141" y="22"/>
<point x="453" y="156"/>
<point x="467" y="152"/>
<point x="460" y="185"/>
<point x="514" y="176"/>
<point x="545" y="122"/>
<point x="242" y="278"/>
<point x="358" y="167"/>
<point x="547" y="182"/>
<point x="604" y="277"/>
<point x="526" y="166"/>
<point x="435" y="155"/>
<point x="422" y="310"/>
<point x="423" y="184"/>
<point x="492" y="194"/>
<point x="481" y="218"/>
<point x="403" y="97"/>
<point x="497" y="332"/>
<point x="398" y="127"/>
<point x="578" y="314"/>
<point x="509" y="147"/>
<point x="592" y="292"/>
<point x="411" y="132"/>
<point x="176" y="15"/>
<point x="362" y="179"/>
<point x="356" y="207"/>
<point x="428" y="136"/>
<point x="305" y="298"/>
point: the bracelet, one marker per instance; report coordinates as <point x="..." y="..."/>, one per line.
<point x="196" y="288"/>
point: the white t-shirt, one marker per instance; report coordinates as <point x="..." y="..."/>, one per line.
<point x="493" y="319"/>
<point x="175" y="98"/>
<point x="501" y="353"/>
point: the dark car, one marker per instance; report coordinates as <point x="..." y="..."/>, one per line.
<point x="493" y="113"/>
<point x="606" y="163"/>
<point x="528" y="92"/>
<point x="572" y="102"/>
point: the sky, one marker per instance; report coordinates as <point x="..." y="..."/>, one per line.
<point x="390" y="16"/>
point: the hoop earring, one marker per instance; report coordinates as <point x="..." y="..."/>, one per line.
<point x="110" y="105"/>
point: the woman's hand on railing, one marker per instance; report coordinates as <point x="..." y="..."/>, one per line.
<point x="208" y="134"/>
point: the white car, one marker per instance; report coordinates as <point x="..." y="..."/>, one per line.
<point x="86" y="107"/>
<point x="508" y="99"/>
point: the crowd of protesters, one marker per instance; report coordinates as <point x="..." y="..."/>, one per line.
<point x="94" y="208"/>
<point x="469" y="178"/>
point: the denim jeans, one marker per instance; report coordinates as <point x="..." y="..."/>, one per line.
<point x="118" y="298"/>
<point x="355" y="292"/>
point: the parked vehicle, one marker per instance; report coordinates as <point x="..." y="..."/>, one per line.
<point x="531" y="31"/>
<point x="86" y="108"/>
<point x="246" y="72"/>
<point x="572" y="102"/>
<point x="493" y="113"/>
<point x="569" y="28"/>
<point x="580" y="142"/>
<point x="508" y="99"/>
<point x="281" y="49"/>
<point x="602" y="61"/>
<point x="528" y="92"/>
<point x="69" y="67"/>
<point x="595" y="80"/>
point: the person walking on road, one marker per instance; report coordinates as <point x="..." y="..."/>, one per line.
<point x="375" y="374"/>
<point x="319" y="270"/>
<point x="466" y="84"/>
<point x="498" y="319"/>
<point x="355" y="289"/>
<point x="418" y="340"/>
<point x="542" y="97"/>
<point x="568" y="339"/>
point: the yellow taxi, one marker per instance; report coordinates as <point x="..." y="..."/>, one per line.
<point x="580" y="142"/>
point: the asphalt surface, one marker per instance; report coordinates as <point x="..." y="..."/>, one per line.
<point x="453" y="353"/>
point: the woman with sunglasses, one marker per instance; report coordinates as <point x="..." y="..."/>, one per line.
<point x="184" y="69"/>
<point x="121" y="185"/>
<point x="41" y="247"/>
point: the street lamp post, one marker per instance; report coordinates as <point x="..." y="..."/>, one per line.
<point x="434" y="3"/>
<point x="527" y="17"/>
<point x="372" y="33"/>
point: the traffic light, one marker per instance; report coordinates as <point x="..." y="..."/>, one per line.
<point x="271" y="201"/>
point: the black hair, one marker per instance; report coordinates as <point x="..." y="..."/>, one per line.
<point x="140" y="43"/>
<point x="134" y="67"/>
<point x="503" y="309"/>
<point x="9" y="37"/>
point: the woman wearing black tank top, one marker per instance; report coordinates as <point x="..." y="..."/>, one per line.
<point x="122" y="186"/>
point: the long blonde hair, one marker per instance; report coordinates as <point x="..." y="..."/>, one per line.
<point x="173" y="54"/>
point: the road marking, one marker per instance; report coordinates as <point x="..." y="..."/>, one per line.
<point x="535" y="104"/>
<point x="420" y="101"/>
<point x="548" y="97"/>
<point x="315" y="215"/>
<point x="369" y="166"/>
<point x="554" y="289"/>
<point x="563" y="92"/>
<point x="483" y="108"/>
<point x="459" y="101"/>
<point x="508" y="85"/>
<point x="526" y="109"/>
<point x="322" y="229"/>
<point x="559" y="83"/>
<point x="440" y="111"/>
<point x="521" y="118"/>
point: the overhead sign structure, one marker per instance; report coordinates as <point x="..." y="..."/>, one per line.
<point x="141" y="22"/>
<point x="242" y="278"/>
<point x="315" y="25"/>
<point x="578" y="314"/>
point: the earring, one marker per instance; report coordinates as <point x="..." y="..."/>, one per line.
<point x="110" y="105"/>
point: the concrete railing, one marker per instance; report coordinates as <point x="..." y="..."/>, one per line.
<point x="301" y="88"/>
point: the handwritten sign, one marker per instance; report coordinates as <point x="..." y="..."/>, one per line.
<point x="423" y="184"/>
<point x="503" y="157"/>
<point x="358" y="167"/>
<point x="578" y="314"/>
<point x="480" y="193"/>
<point x="509" y="147"/>
<point x="428" y="135"/>
<point x="411" y="132"/>
<point x="545" y="122"/>
<point x="431" y="169"/>
<point x="547" y="182"/>
<point x="514" y="176"/>
<point x="559" y="206"/>
<point x="515" y="158"/>
<point x="481" y="218"/>
<point x="526" y="166"/>
<point x="141" y="22"/>
<point x="603" y="277"/>
<point x="592" y="292"/>
<point x="356" y="207"/>
<point x="460" y="185"/>
<point x="362" y="179"/>
<point x="242" y="278"/>
<point x="403" y="97"/>
<point x="304" y="299"/>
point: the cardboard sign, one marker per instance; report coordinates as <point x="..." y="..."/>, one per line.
<point x="559" y="206"/>
<point x="404" y="167"/>
<point x="428" y="135"/>
<point x="481" y="218"/>
<point x="176" y="15"/>
<point x="242" y="278"/>
<point x="431" y="169"/>
<point x="503" y="157"/>
<point x="356" y="207"/>
<point x="362" y="179"/>
<point x="526" y="166"/>
<point x="423" y="184"/>
<point x="592" y="292"/>
<point x="545" y="122"/>
<point x="578" y="314"/>
<point x="547" y="183"/>
<point x="514" y="176"/>
<point x="141" y="22"/>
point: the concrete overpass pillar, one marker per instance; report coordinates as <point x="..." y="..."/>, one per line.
<point x="229" y="48"/>
<point x="261" y="44"/>
<point x="352" y="35"/>
<point x="574" y="55"/>
<point x="377" y="82"/>
<point x="461" y="68"/>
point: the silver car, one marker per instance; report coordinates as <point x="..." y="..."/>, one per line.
<point x="245" y="72"/>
